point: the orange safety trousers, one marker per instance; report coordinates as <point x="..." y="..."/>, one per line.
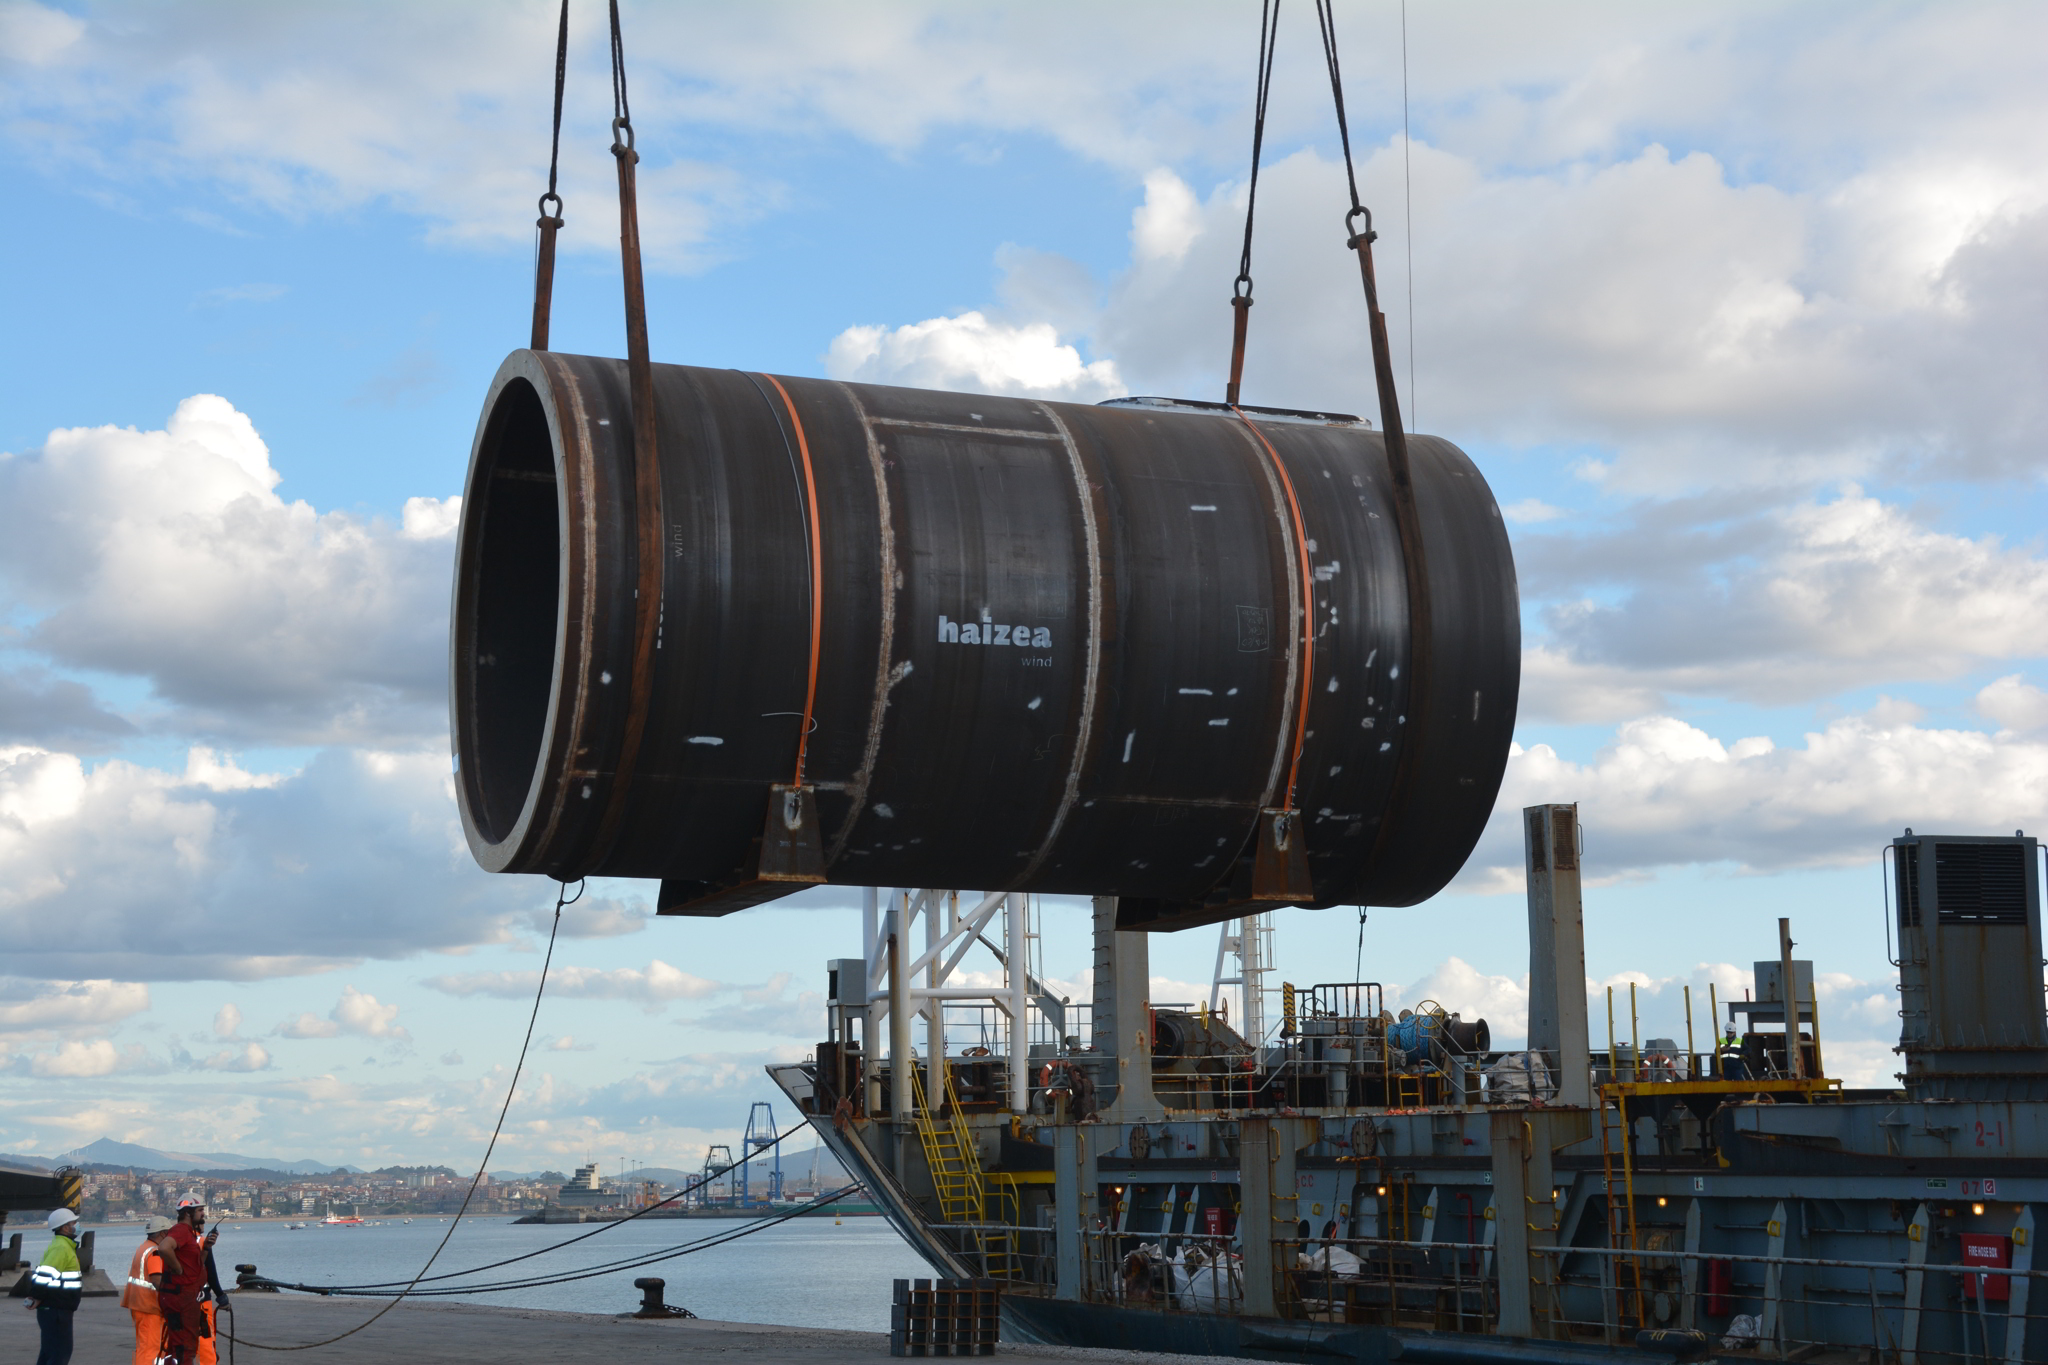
<point x="149" y="1337"/>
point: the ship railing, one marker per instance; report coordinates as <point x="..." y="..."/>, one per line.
<point x="1789" y="1307"/>
<point x="1018" y="1256"/>
<point x="1173" y="1272"/>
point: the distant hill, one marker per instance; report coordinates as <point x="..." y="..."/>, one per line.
<point x="107" y="1152"/>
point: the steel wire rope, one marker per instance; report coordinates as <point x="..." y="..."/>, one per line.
<point x="1241" y="288"/>
<point x="550" y="222"/>
<point x="529" y="1255"/>
<point x="638" y="1260"/>
<point x="562" y="899"/>
<point x="1407" y="208"/>
<point x="632" y="1262"/>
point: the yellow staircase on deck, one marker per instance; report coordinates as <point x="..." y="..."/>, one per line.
<point x="950" y="1153"/>
<point x="954" y="1161"/>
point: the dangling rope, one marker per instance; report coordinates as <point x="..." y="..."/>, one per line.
<point x="562" y="900"/>
<point x="1241" y="290"/>
<point x="1407" y="520"/>
<point x="551" y="221"/>
<point x="646" y="461"/>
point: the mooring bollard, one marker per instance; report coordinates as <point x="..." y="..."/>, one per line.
<point x="651" y="1305"/>
<point x="245" y="1279"/>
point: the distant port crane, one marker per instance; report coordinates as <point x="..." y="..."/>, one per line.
<point x="760" y="1136"/>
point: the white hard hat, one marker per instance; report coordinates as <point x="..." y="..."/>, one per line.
<point x="157" y="1223"/>
<point x="61" y="1218"/>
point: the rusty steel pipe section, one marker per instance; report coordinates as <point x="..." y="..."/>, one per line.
<point x="1060" y="647"/>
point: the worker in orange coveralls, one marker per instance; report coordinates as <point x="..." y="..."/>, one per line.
<point x="139" y="1294"/>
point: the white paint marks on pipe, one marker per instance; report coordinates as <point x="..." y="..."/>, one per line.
<point x="1198" y="692"/>
<point x="706" y="739"/>
<point x="883" y="809"/>
<point x="1201" y="507"/>
<point x="1220" y="720"/>
<point x="605" y="677"/>
<point x="1032" y="705"/>
<point x="1127" y="744"/>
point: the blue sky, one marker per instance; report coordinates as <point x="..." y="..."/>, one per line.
<point x="1740" y="309"/>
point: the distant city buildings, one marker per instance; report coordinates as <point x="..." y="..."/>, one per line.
<point x="132" y="1195"/>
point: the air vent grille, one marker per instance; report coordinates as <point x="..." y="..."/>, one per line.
<point x="1909" y="884"/>
<point x="1981" y="883"/>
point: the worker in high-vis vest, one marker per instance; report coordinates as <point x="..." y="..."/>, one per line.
<point x="55" y="1287"/>
<point x="138" y="1295"/>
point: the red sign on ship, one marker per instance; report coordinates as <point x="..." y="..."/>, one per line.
<point x="1984" y="1251"/>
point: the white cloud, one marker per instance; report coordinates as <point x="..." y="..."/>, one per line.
<point x="658" y="984"/>
<point x="227" y="1022"/>
<point x="973" y="353"/>
<point x="307" y="1025"/>
<point x="1530" y="511"/>
<point x="1167" y="223"/>
<point x="431" y="518"/>
<point x="166" y="555"/>
<point x="2014" y="703"/>
<point x="594" y="916"/>
<point x="1665" y="793"/>
<point x="35" y="1006"/>
<point x="96" y="1057"/>
<point x="248" y="1057"/>
<point x="35" y="34"/>
<point x="1784" y="605"/>
<point x="1463" y="989"/>
<point x="360" y="1012"/>
<point x="131" y="871"/>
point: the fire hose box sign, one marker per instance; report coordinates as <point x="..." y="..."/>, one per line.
<point x="1986" y="1251"/>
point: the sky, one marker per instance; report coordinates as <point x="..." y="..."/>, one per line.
<point x="1742" y="309"/>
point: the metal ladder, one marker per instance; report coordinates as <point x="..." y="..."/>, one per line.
<point x="1616" y="1141"/>
<point x="954" y="1162"/>
<point x="949" y="1153"/>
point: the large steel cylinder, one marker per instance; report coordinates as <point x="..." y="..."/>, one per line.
<point x="1059" y="648"/>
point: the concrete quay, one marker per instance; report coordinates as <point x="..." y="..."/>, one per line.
<point x="433" y="1332"/>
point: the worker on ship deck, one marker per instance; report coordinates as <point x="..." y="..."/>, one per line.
<point x="1729" y="1064"/>
<point x="139" y="1294"/>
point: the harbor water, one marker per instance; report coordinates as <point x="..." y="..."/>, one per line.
<point x="807" y="1272"/>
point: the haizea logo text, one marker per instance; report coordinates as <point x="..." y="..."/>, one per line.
<point x="988" y="632"/>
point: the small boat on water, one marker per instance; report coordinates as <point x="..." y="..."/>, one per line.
<point x="337" y="1221"/>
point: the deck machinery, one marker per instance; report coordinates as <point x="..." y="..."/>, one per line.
<point x="1362" y="1186"/>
